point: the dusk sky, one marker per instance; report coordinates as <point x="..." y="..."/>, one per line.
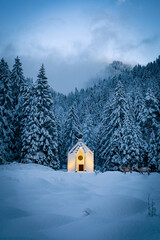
<point x="76" y="39"/>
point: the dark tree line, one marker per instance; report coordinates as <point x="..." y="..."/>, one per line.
<point x="119" y="118"/>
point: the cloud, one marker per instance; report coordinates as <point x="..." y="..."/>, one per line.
<point x="121" y="1"/>
<point x="75" y="46"/>
<point x="141" y="43"/>
<point x="150" y="40"/>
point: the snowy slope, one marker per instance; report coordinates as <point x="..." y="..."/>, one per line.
<point x="37" y="202"/>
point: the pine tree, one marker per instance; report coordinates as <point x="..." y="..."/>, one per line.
<point x="17" y="81"/>
<point x="103" y="137"/>
<point x="112" y="130"/>
<point x="71" y="132"/>
<point x="152" y="121"/>
<point x="48" y="148"/>
<point x="59" y="136"/>
<point x="132" y="141"/>
<point x="6" y="111"/>
<point x="152" y="153"/>
<point x="30" y="127"/>
<point x="117" y="134"/>
<point x="139" y="109"/>
<point x="88" y="132"/>
<point x="152" y="114"/>
<point x="158" y="150"/>
<point x="139" y="115"/>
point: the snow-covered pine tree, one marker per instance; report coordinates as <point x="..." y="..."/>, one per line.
<point x="158" y="150"/>
<point x="104" y="137"/>
<point x="30" y="127"/>
<point x="71" y="131"/>
<point x="17" y="81"/>
<point x="6" y="114"/>
<point x="152" y="119"/>
<point x="131" y="142"/>
<point x="139" y="116"/>
<point x="88" y="132"/>
<point x="116" y="145"/>
<point x="139" y="109"/>
<point x="152" y="113"/>
<point x="25" y="102"/>
<point x="111" y="131"/>
<point x="152" y="152"/>
<point x="48" y="149"/>
<point x="59" y="137"/>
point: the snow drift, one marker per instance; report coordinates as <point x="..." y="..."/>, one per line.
<point x="40" y="203"/>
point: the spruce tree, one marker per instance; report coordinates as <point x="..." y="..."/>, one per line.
<point x="158" y="150"/>
<point x="30" y="128"/>
<point x="139" y="115"/>
<point x="139" y="109"/>
<point x="71" y="131"/>
<point x="103" y="137"/>
<point x="132" y="142"/>
<point x="48" y="145"/>
<point x="6" y="114"/>
<point x="112" y="131"/>
<point x="152" y="153"/>
<point x="17" y="81"/>
<point x="152" y="113"/>
<point x="88" y="132"/>
<point x="59" y="136"/>
<point x="152" y="121"/>
<point x="117" y="134"/>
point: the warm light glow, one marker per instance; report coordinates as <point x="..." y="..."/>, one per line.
<point x="70" y="165"/>
<point x="80" y="159"/>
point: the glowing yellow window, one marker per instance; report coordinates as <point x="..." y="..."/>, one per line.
<point x="80" y="157"/>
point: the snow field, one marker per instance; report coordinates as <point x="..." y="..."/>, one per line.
<point x="40" y="203"/>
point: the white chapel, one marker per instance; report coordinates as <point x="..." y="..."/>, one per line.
<point x="80" y="158"/>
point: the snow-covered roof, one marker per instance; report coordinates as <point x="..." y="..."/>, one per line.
<point x="80" y="144"/>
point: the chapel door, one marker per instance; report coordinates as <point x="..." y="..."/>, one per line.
<point x="81" y="167"/>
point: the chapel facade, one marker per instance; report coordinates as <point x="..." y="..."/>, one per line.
<point x="80" y="158"/>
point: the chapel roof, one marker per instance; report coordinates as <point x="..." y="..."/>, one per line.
<point x="80" y="144"/>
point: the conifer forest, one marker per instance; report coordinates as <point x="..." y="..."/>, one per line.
<point x="118" y="116"/>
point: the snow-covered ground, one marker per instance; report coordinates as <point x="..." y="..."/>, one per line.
<point x="37" y="202"/>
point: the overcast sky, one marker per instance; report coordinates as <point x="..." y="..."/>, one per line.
<point x="76" y="39"/>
